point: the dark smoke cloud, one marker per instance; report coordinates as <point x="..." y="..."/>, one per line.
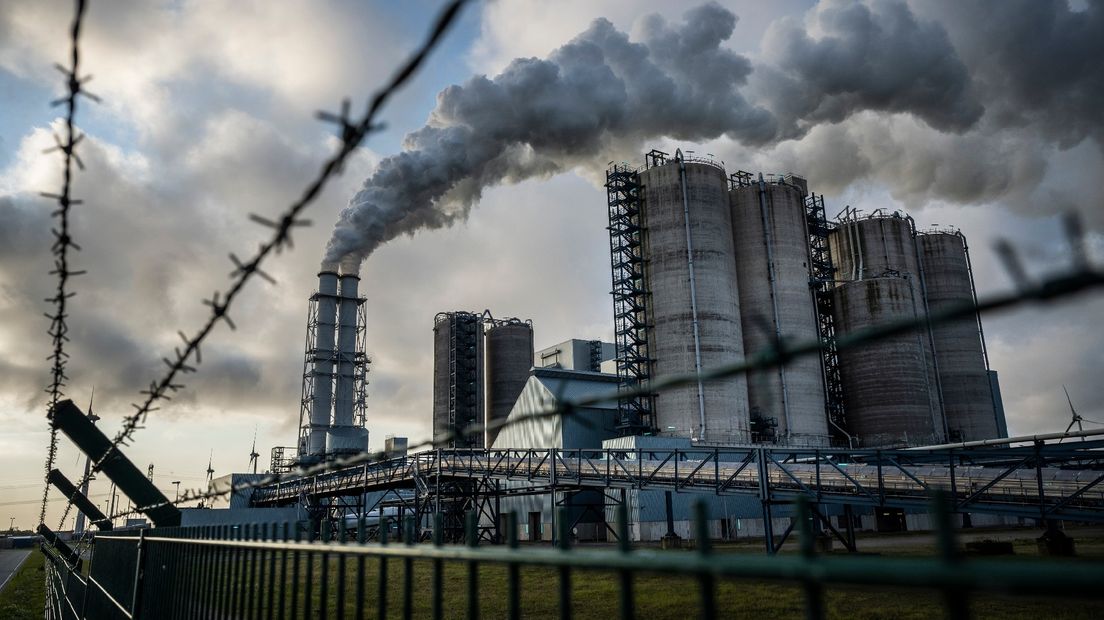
<point x="914" y="96"/>
<point x="877" y="57"/>
<point x="1034" y="63"/>
<point x="542" y="116"/>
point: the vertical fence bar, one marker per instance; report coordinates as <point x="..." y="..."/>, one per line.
<point x="136" y="599"/>
<point x="251" y="595"/>
<point x="471" y="531"/>
<point x="283" y="572"/>
<point x="814" y="593"/>
<point x="958" y="608"/>
<point x="564" y="543"/>
<point x="381" y="598"/>
<point x="513" y="571"/>
<point x="438" y="567"/>
<point x="341" y="561"/>
<point x="361" y="536"/>
<point x="408" y="571"/>
<point x="294" y="603"/>
<point x="324" y="583"/>
<point x="235" y="570"/>
<point x="626" y="577"/>
<point x="308" y="585"/>
<point x="242" y="585"/>
<point x="269" y="534"/>
<point x="221" y="562"/>
<point x="704" y="547"/>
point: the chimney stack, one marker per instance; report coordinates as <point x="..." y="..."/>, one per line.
<point x="323" y="356"/>
<point x="346" y="344"/>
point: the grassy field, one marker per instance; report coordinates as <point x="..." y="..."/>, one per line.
<point x="596" y="594"/>
<point x="25" y="595"/>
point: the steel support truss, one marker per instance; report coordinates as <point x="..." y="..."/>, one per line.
<point x="630" y="295"/>
<point x="1042" y="482"/>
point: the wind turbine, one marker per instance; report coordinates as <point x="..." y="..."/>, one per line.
<point x="1076" y="419"/>
<point x="253" y="452"/>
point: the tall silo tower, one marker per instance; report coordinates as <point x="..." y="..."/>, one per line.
<point x="882" y="247"/>
<point x="458" y="376"/>
<point x="773" y="271"/>
<point x="886" y="385"/>
<point x="509" y="358"/>
<point x="694" y="304"/>
<point x="959" y="349"/>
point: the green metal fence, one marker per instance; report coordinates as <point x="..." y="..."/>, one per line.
<point x="279" y="571"/>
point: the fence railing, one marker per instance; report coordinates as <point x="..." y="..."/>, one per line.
<point x="278" y="571"/>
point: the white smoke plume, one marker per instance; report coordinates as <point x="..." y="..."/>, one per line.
<point x="603" y="95"/>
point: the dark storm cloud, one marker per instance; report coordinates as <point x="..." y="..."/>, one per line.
<point x="865" y="57"/>
<point x="1036" y="63"/>
<point x="602" y="95"/>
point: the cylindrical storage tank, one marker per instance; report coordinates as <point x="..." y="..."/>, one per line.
<point x="874" y="246"/>
<point x="689" y="230"/>
<point x="323" y="354"/>
<point x="887" y="389"/>
<point x="963" y="376"/>
<point x="346" y="346"/>
<point x="346" y="440"/>
<point x="457" y="375"/>
<point x="509" y="351"/>
<point x="772" y="272"/>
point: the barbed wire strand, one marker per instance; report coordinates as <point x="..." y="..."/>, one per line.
<point x="1082" y="278"/>
<point x="352" y="133"/>
<point x="58" y="328"/>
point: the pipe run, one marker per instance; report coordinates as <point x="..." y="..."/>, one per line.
<point x="772" y="281"/>
<point x="693" y="294"/>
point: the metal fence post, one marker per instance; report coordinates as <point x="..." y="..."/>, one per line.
<point x="136" y="599"/>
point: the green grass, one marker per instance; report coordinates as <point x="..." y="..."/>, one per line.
<point x="25" y="595"/>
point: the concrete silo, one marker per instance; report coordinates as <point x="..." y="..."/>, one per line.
<point x="959" y="354"/>
<point x="509" y="358"/>
<point x="695" y="310"/>
<point x="886" y="383"/>
<point x="773" y="272"/>
<point x="457" y="375"/>
<point x="884" y="245"/>
<point x="873" y="246"/>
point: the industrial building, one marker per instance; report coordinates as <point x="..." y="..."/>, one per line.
<point x="480" y="365"/>
<point x="710" y="269"/>
<point x="576" y="354"/>
<point x="331" y="414"/>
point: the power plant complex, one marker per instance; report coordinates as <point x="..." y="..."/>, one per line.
<point x="708" y="269"/>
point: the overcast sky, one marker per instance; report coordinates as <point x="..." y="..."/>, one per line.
<point x="981" y="115"/>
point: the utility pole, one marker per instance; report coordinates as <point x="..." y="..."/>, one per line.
<point x="79" y="526"/>
<point x="177" y="483"/>
<point x="11" y="524"/>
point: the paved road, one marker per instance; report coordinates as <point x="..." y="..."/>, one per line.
<point x="10" y="559"/>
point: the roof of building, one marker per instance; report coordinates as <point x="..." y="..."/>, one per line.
<point x="573" y="385"/>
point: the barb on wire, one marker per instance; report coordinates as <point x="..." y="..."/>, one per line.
<point x="58" y="316"/>
<point x="353" y="132"/>
<point x="1084" y="277"/>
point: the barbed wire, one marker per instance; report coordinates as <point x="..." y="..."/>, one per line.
<point x="352" y="133"/>
<point x="1083" y="276"/>
<point x="58" y="328"/>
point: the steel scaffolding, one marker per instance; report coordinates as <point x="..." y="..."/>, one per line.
<point x="630" y="296"/>
<point x="822" y="277"/>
